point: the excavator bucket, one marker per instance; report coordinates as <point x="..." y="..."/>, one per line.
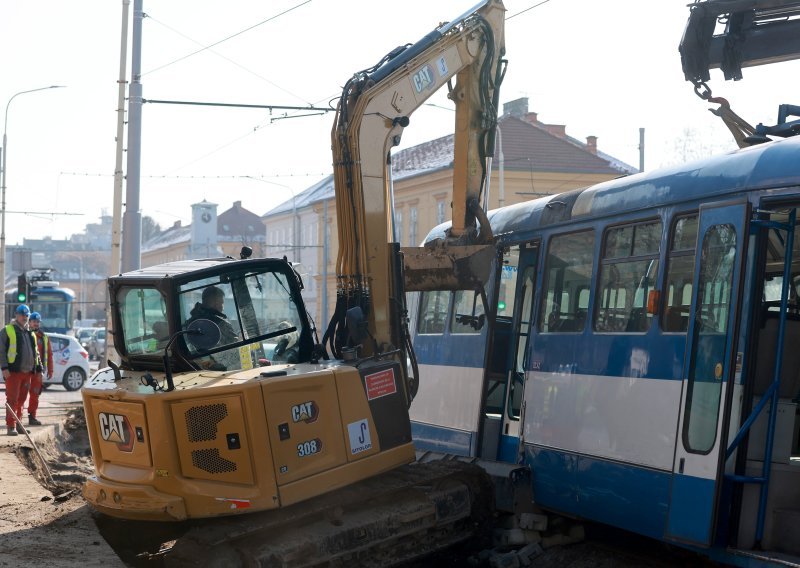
<point x="444" y="267"/>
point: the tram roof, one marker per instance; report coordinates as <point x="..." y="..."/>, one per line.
<point x="764" y="166"/>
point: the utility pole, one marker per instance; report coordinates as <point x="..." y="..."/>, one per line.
<point x="132" y="218"/>
<point x="116" y="224"/>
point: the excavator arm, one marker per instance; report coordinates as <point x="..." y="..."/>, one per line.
<point x="375" y="106"/>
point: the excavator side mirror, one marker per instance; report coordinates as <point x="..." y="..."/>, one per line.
<point x="204" y="333"/>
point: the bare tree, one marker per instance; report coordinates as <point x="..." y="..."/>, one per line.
<point x="150" y="228"/>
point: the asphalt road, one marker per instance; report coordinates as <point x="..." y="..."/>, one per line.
<point x="55" y="397"/>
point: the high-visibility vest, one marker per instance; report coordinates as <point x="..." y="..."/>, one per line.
<point x="11" y="332"/>
<point x="44" y="342"/>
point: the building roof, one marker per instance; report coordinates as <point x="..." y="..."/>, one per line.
<point x="238" y="221"/>
<point x="321" y="190"/>
<point x="528" y="145"/>
<point x="533" y="147"/>
<point x="174" y="235"/>
<point x="231" y="225"/>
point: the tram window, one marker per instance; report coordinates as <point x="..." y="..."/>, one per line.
<point x="508" y="282"/>
<point x="568" y="272"/>
<point x="468" y="312"/>
<point x="680" y="273"/>
<point x="433" y="311"/>
<point x="708" y="347"/>
<point x="684" y="236"/>
<point x="773" y="288"/>
<point x="628" y="272"/>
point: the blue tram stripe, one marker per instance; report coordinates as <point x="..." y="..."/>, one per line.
<point x="630" y="497"/>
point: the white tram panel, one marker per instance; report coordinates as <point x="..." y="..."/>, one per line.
<point x="449" y="397"/>
<point x="626" y="419"/>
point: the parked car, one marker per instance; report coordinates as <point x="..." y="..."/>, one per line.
<point x="97" y="344"/>
<point x="70" y="362"/>
<point x="84" y="336"/>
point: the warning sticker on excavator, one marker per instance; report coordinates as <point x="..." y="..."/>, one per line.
<point x="380" y="384"/>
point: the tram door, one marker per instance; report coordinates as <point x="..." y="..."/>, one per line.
<point x="708" y="372"/>
<point x="521" y="328"/>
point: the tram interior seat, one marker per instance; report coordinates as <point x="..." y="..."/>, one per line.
<point x="676" y="318"/>
<point x="637" y="320"/>
<point x="767" y="349"/>
<point x="567" y="322"/>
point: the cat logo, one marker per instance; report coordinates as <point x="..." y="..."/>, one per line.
<point x="423" y="79"/>
<point x="307" y="412"/>
<point x="116" y="428"/>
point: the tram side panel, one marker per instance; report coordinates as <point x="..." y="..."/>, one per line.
<point x="445" y="413"/>
<point x="600" y="425"/>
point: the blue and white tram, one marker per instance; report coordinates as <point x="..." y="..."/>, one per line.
<point x="639" y="354"/>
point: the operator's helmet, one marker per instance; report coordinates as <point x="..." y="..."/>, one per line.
<point x="24" y="310"/>
<point x="36" y="316"/>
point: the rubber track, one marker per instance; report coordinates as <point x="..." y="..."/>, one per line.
<point x="389" y="519"/>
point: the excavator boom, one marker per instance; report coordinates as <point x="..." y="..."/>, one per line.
<point x="375" y="107"/>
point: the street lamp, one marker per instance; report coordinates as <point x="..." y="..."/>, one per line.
<point x="3" y="185"/>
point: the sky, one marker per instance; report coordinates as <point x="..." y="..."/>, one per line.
<point x="602" y="68"/>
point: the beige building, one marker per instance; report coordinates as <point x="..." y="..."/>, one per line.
<point x="209" y="235"/>
<point x="531" y="159"/>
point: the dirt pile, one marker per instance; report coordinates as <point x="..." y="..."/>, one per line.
<point x="61" y="464"/>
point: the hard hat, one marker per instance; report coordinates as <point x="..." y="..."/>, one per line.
<point x="23" y="309"/>
<point x="36" y="316"/>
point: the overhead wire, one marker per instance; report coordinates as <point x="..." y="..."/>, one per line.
<point x="527" y="9"/>
<point x="228" y="59"/>
<point x="223" y="40"/>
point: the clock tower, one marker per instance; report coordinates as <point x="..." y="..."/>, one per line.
<point x="204" y="230"/>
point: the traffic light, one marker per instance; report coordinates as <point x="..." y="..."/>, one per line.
<point x="22" y="288"/>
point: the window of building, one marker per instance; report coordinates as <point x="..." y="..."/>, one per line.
<point x="398" y="225"/>
<point x="440" y="212"/>
<point x="412" y="229"/>
<point x="628" y="272"/>
<point x="680" y="272"/>
<point x="568" y="278"/>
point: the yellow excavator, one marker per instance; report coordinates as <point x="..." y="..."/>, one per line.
<point x="226" y="414"/>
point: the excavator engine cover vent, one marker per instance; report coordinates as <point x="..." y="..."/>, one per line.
<point x="212" y="439"/>
<point x="210" y="461"/>
<point x="201" y="421"/>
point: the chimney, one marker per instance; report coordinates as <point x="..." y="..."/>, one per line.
<point x="176" y="224"/>
<point x="517" y="108"/>
<point x="237" y="204"/>
<point x="531" y="117"/>
<point x="591" y="144"/>
<point x="559" y="130"/>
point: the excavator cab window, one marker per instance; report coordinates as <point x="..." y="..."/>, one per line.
<point x="143" y="318"/>
<point x="256" y="313"/>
